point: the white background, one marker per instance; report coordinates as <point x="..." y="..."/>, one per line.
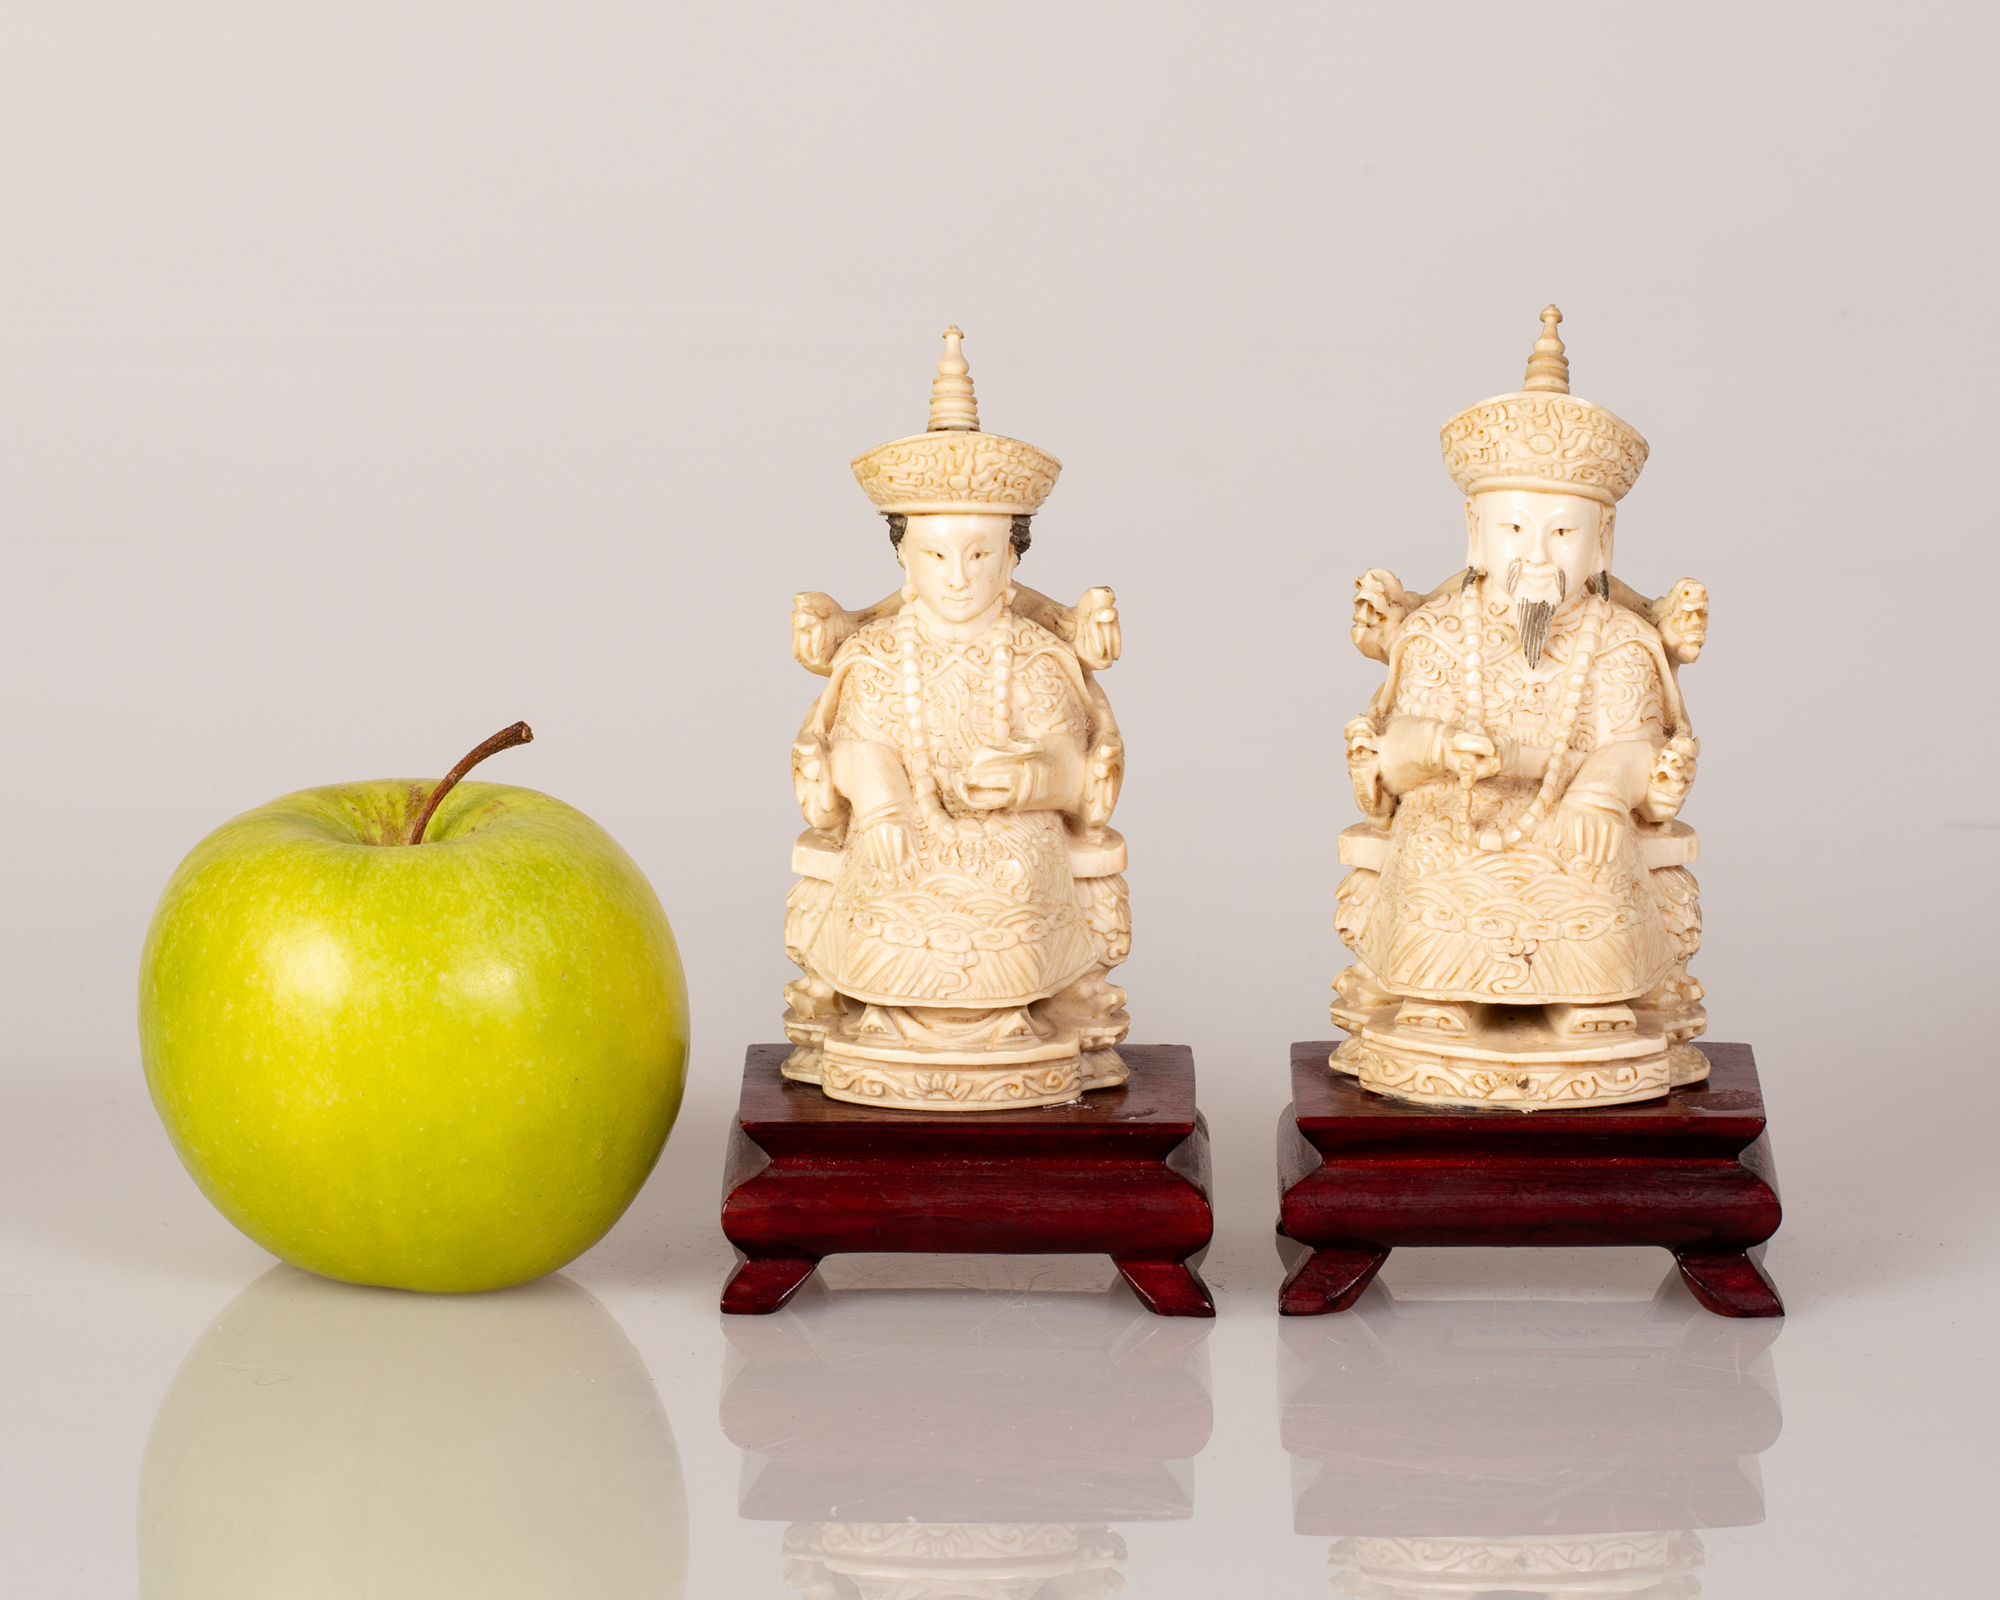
<point x="374" y="375"/>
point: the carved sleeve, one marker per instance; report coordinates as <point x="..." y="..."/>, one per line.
<point x="1629" y="704"/>
<point x="865" y="711"/>
<point x="1430" y="682"/>
<point x="1052" y="706"/>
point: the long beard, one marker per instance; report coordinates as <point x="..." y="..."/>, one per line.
<point x="1532" y="617"/>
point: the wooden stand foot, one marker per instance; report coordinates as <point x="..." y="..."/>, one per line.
<point x="1330" y="1278"/>
<point x="762" y="1284"/>
<point x="1123" y="1172"/>
<point x="1691" y="1171"/>
<point x="1729" y="1283"/>
<point x="1167" y="1288"/>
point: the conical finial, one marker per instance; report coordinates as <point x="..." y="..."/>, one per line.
<point x="1548" y="367"/>
<point x="953" y="409"/>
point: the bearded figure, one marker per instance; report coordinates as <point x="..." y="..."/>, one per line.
<point x="961" y="898"/>
<point x="1520" y="908"/>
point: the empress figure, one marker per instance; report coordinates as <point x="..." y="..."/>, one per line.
<point x="960" y="899"/>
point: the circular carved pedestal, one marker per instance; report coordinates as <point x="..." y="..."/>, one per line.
<point x="1047" y="1073"/>
<point x="1514" y="1059"/>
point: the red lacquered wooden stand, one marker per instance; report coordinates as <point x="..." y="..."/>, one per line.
<point x="1123" y="1173"/>
<point x="1361" y="1173"/>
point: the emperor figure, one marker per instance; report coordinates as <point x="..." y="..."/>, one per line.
<point x="1520" y="908"/>
<point x="960" y="898"/>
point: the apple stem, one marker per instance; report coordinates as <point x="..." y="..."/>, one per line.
<point x="505" y="739"/>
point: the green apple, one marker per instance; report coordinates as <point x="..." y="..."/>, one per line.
<point x="339" y="1443"/>
<point x="445" y="1066"/>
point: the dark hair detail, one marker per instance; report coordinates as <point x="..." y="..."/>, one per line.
<point x="1017" y="535"/>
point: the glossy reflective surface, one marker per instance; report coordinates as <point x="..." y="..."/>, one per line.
<point x="1525" y="1445"/>
<point x="928" y="1442"/>
<point x="323" y="1438"/>
<point x="187" y="1420"/>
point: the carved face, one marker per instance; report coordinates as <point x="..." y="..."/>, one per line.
<point x="1537" y="547"/>
<point x="959" y="562"/>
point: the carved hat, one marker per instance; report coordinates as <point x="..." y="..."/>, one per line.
<point x="952" y="466"/>
<point x="1544" y="437"/>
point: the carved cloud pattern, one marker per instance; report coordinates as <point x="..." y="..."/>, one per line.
<point x="1552" y="436"/>
<point x="973" y="469"/>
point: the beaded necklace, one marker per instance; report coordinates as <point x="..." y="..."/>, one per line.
<point x="1472" y="622"/>
<point x="1001" y="694"/>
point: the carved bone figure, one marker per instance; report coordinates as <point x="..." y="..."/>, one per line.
<point x="961" y="899"/>
<point x="1520" y="907"/>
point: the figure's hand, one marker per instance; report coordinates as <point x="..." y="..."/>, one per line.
<point x="1364" y="745"/>
<point x="887" y="845"/>
<point x="812" y="782"/>
<point x="819" y="629"/>
<point x="1672" y="776"/>
<point x="1469" y="756"/>
<point x="1589" y="829"/>
<point x="1000" y="780"/>
<point x="1380" y="605"/>
<point x="1098" y="642"/>
<point x="1364" y="770"/>
<point x="1101" y="782"/>
<point x="1681" y="615"/>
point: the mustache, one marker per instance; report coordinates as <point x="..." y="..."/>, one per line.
<point x="1532" y="617"/>
<point x="1514" y="578"/>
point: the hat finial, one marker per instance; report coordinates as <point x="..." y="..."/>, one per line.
<point x="953" y="408"/>
<point x="1548" y="367"/>
<point x="1527" y="440"/>
<point x="952" y="467"/>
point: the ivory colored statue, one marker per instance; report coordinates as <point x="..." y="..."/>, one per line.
<point x="959" y="903"/>
<point x="1520" y="908"/>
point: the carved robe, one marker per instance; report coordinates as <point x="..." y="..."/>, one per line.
<point x="990" y="916"/>
<point x="1533" y="923"/>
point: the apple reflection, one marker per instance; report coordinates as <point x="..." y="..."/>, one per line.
<point x="1524" y="1447"/>
<point x="325" y="1439"/>
<point x="971" y="1444"/>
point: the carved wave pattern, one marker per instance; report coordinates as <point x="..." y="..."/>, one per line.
<point x="1524" y="925"/>
<point x="948" y="937"/>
